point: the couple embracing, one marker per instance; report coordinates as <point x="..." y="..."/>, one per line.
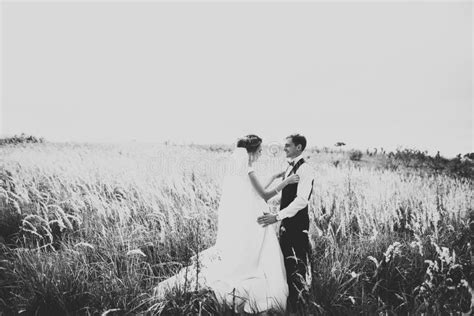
<point x="260" y="262"/>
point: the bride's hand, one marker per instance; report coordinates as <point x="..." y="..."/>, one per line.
<point x="292" y="179"/>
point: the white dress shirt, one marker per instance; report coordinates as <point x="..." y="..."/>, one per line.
<point x="306" y="173"/>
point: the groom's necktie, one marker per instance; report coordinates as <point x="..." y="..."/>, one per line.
<point x="291" y="165"/>
<point x="294" y="164"/>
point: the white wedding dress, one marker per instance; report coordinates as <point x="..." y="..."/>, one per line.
<point x="245" y="268"/>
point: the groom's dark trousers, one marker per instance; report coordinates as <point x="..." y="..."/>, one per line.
<point x="295" y="246"/>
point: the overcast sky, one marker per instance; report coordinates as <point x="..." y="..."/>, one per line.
<point x="366" y="73"/>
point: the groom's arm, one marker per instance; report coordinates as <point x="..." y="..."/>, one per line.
<point x="302" y="195"/>
<point x="306" y="175"/>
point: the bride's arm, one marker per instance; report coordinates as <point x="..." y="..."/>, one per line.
<point x="275" y="176"/>
<point x="268" y="194"/>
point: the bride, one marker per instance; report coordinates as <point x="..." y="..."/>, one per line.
<point x="245" y="268"/>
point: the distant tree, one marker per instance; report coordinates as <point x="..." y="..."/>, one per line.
<point x="469" y="155"/>
<point x="355" y="155"/>
<point x="21" y="139"/>
<point x="412" y="158"/>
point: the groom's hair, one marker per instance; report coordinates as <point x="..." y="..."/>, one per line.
<point x="298" y="139"/>
<point x="250" y="142"/>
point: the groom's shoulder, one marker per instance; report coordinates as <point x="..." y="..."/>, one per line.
<point x="307" y="167"/>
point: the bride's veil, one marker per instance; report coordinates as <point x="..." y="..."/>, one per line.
<point x="235" y="205"/>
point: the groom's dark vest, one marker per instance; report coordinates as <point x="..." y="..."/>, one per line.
<point x="300" y="221"/>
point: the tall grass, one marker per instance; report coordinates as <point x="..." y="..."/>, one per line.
<point x="90" y="229"/>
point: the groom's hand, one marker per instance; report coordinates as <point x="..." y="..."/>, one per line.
<point x="266" y="220"/>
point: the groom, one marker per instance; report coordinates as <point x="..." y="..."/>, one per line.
<point x="294" y="240"/>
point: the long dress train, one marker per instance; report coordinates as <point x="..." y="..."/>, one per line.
<point x="245" y="268"/>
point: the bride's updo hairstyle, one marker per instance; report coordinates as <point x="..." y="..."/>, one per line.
<point x="250" y="142"/>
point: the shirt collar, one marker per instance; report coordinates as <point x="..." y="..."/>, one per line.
<point x="296" y="159"/>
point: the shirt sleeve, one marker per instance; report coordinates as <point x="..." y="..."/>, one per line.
<point x="302" y="194"/>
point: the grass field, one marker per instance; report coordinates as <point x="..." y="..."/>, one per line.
<point x="91" y="229"/>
